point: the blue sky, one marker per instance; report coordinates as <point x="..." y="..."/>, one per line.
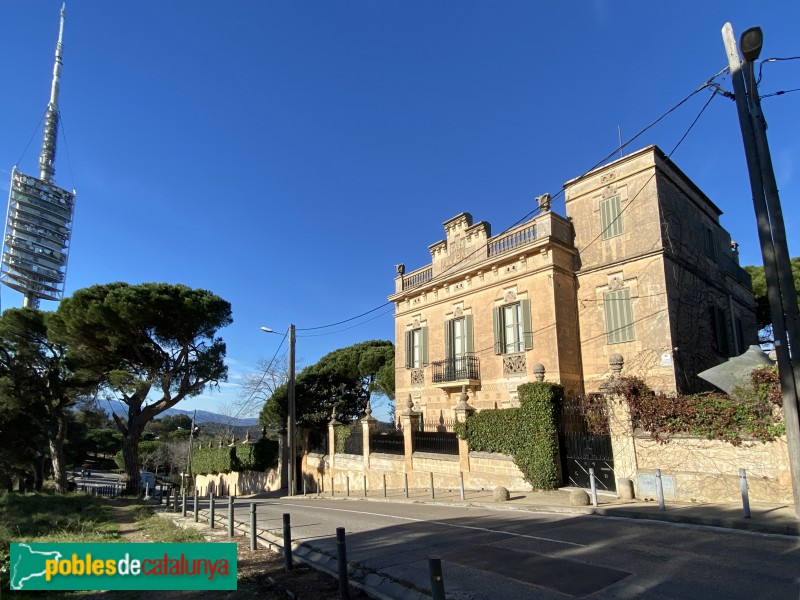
<point x="286" y="155"/>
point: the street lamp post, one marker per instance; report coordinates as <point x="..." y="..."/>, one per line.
<point x="772" y="237"/>
<point x="292" y="418"/>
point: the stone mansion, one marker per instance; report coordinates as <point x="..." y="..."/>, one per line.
<point x="640" y="267"/>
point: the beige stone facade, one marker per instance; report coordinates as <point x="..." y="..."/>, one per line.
<point x="691" y="303"/>
<point x="641" y="267"/>
<point x="472" y="278"/>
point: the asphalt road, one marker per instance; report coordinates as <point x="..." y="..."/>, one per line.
<point x="490" y="554"/>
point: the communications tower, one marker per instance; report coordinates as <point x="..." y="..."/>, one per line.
<point x="39" y="217"/>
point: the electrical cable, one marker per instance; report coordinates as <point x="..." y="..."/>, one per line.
<point x="260" y="381"/>
<point x="780" y="93"/>
<point x="351" y="327"/>
<point x="707" y="83"/>
<point x="771" y="60"/>
<point x="345" y="321"/>
<point x="644" y="185"/>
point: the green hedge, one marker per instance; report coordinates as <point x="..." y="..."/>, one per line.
<point x="261" y="456"/>
<point x="529" y="433"/>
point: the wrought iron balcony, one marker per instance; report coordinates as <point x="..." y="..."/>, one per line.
<point x="457" y="370"/>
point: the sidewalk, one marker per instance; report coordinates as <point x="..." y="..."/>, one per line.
<point x="765" y="518"/>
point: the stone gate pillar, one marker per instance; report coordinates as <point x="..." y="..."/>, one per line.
<point x="410" y="420"/>
<point x="368" y="425"/>
<point x="463" y="410"/>
<point x="620" y="425"/>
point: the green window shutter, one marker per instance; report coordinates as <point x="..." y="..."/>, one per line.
<point x="409" y="349"/>
<point x="527" y="326"/>
<point x="619" y="316"/>
<point x="497" y="317"/>
<point x="468" y="334"/>
<point x="611" y="217"/>
<point x="448" y="339"/>
<point x="424" y="345"/>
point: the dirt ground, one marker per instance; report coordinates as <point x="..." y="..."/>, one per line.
<point x="260" y="573"/>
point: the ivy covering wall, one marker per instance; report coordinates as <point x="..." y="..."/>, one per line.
<point x="752" y="411"/>
<point x="528" y="434"/>
<point x="261" y="456"/>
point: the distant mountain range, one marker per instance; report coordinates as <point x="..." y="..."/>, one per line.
<point x="203" y="416"/>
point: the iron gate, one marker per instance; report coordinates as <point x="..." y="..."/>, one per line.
<point x="585" y="443"/>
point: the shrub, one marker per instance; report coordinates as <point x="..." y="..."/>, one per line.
<point x="528" y="434"/>
<point x="261" y="456"/>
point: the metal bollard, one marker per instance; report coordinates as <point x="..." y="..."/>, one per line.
<point x="304" y="486"/>
<point x="147" y="491"/>
<point x="231" y="500"/>
<point x="433" y="492"/>
<point x="196" y="516"/>
<point x="384" y="485"/>
<point x="365" y="485"/>
<point x="183" y="502"/>
<point x="461" y="483"/>
<point x="252" y="526"/>
<point x="745" y="494"/>
<point x="405" y="476"/>
<point x="594" y="486"/>
<point x="437" y="582"/>
<point x="211" y="509"/>
<point x="660" y="490"/>
<point x="333" y="487"/>
<point x="287" y="542"/>
<point x="341" y="548"/>
<point x="347" y="480"/>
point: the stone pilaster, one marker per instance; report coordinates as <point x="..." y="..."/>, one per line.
<point x="463" y="410"/>
<point x="368" y="425"/>
<point x="410" y="421"/>
<point x="620" y="425"/>
<point x="332" y="438"/>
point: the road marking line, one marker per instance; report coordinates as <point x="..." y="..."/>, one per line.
<point x="360" y="512"/>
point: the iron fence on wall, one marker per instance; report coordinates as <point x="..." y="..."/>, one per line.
<point x="439" y="442"/>
<point x="388" y="440"/>
<point x="354" y="442"/>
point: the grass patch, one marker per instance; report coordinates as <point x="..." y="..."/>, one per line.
<point x="163" y="530"/>
<point x="56" y="518"/>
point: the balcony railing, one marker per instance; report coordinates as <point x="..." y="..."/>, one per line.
<point x="417" y="278"/>
<point x="458" y="368"/>
<point x="512" y="241"/>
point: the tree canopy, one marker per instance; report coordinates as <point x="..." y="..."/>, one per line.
<point x="763" y="316"/>
<point x="152" y="345"/>
<point x="38" y="374"/>
<point x="343" y="379"/>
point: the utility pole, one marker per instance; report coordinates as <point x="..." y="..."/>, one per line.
<point x="772" y="237"/>
<point x="189" y="455"/>
<point x="292" y="415"/>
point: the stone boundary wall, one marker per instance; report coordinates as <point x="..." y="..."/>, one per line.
<point x="239" y="484"/>
<point x="708" y="470"/>
<point x="489" y="470"/>
<point x="696" y="469"/>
